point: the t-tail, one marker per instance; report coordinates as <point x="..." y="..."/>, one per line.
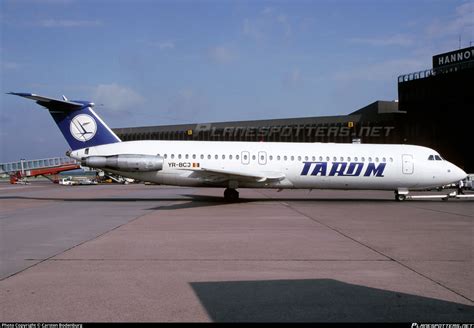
<point x="79" y="124"/>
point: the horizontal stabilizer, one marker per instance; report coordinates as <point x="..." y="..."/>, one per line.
<point x="51" y="103"/>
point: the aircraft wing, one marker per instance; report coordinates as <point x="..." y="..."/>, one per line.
<point x="219" y="175"/>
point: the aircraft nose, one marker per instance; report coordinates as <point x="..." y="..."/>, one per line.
<point x="457" y="173"/>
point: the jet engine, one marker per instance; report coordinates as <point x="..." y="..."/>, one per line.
<point x="126" y="163"/>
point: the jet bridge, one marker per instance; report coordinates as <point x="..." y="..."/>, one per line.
<point x="47" y="167"/>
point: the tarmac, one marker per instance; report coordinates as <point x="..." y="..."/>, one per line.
<point x="137" y="253"/>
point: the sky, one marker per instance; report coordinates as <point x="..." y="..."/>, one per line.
<point x="163" y="62"/>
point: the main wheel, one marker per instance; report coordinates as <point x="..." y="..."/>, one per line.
<point x="400" y="197"/>
<point x="231" y="195"/>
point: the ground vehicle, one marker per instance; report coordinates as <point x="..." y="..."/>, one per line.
<point x="67" y="181"/>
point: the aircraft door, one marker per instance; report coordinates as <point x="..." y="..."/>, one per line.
<point x="245" y="158"/>
<point x="407" y="164"/>
<point x="262" y="158"/>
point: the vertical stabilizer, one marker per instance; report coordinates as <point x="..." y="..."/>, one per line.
<point x="78" y="122"/>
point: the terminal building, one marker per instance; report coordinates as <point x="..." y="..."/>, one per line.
<point x="433" y="111"/>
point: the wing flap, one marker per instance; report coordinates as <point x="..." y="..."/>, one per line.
<point x="219" y="175"/>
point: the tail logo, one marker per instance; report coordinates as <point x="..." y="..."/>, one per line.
<point x="83" y="127"/>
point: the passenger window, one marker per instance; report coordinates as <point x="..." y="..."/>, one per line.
<point x="172" y="156"/>
<point x="327" y="158"/>
<point x="306" y="158"/>
<point x="292" y="158"/>
<point x="202" y="156"/>
<point x="223" y="156"/>
<point x="370" y="159"/>
<point x="376" y="159"/>
<point x="356" y="159"/>
<point x="342" y="159"/>
<point x="348" y="159"/>
<point x="271" y="157"/>
<point x="187" y="156"/>
<point x="166" y="155"/>
<point x="237" y="156"/>
<point x="208" y="156"/>
<point x="230" y="156"/>
<point x="253" y="157"/>
<point x="334" y="159"/>
<point x="194" y="156"/>
<point x="299" y="158"/>
<point x="362" y="159"/>
<point x="179" y="156"/>
<point x="245" y="157"/>
<point x="285" y="158"/>
<point x="384" y="159"/>
<point x="278" y="157"/>
<point x="391" y="159"/>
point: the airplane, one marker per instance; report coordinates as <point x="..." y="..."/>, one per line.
<point x="233" y="165"/>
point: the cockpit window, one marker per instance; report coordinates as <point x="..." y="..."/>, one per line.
<point x="435" y="158"/>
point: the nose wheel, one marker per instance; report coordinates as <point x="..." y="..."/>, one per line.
<point x="231" y="195"/>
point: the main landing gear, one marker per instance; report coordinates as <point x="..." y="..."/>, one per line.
<point x="231" y="195"/>
<point x="401" y="195"/>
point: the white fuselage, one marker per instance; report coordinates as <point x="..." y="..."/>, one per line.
<point x="299" y="165"/>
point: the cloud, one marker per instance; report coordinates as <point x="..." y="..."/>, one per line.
<point x="9" y="65"/>
<point x="462" y="22"/>
<point x="117" y="98"/>
<point x="270" y="22"/>
<point x="293" y="78"/>
<point x="67" y="23"/>
<point x="394" y="40"/>
<point x="166" y="45"/>
<point x="222" y="54"/>
<point x="187" y="104"/>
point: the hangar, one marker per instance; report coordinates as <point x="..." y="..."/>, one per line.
<point x="432" y="111"/>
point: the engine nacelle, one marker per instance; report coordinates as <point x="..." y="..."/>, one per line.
<point x="126" y="163"/>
